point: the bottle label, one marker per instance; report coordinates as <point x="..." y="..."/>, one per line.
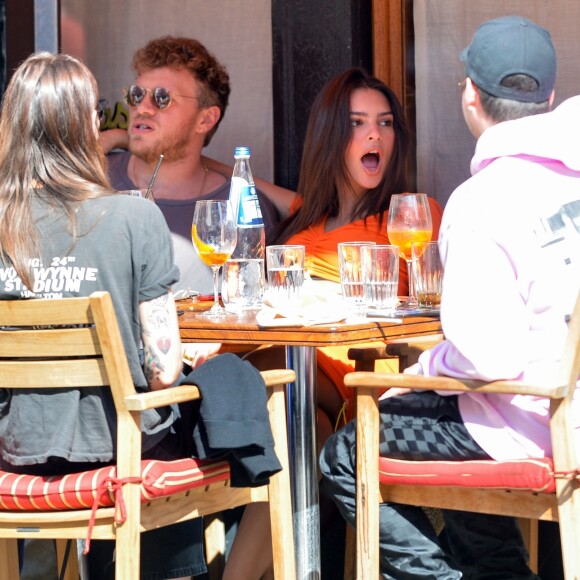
<point x="249" y="212"/>
<point x="236" y="186"/>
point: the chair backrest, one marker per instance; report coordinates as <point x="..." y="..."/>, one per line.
<point x="76" y="343"/>
<point x="72" y="342"/>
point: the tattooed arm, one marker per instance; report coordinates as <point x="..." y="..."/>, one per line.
<point x="161" y="342"/>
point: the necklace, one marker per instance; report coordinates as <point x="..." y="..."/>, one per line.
<point x="205" y="172"/>
<point x="136" y="180"/>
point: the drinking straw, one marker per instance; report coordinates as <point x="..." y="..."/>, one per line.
<point x="149" y="192"/>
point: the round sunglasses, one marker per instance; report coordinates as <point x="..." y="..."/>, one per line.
<point x="160" y="96"/>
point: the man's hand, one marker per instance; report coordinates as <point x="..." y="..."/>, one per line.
<point x="113" y="138"/>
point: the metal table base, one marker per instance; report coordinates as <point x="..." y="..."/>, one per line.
<point x="303" y="460"/>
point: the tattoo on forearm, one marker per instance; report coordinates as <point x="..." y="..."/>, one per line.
<point x="152" y="367"/>
<point x="158" y="313"/>
<point x="164" y="344"/>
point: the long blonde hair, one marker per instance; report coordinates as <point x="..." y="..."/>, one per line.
<point x="49" y="148"/>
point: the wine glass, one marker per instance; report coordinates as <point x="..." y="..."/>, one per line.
<point x="409" y="221"/>
<point x="214" y="235"/>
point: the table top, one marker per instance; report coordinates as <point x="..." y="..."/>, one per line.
<point x="234" y="329"/>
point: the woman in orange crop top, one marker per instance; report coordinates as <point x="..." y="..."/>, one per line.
<point x="354" y="158"/>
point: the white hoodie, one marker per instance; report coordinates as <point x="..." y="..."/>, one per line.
<point x="510" y="244"/>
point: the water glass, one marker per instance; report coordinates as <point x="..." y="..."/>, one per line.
<point x="427" y="273"/>
<point x="350" y="266"/>
<point x="243" y="284"/>
<point x="285" y="275"/>
<point x="380" y="268"/>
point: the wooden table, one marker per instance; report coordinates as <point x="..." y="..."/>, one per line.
<point x="301" y="343"/>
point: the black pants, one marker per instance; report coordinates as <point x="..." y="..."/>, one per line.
<point x="421" y="426"/>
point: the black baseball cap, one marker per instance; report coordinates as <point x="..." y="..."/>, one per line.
<point x="511" y="45"/>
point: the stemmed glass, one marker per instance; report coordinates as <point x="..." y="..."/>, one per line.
<point x="214" y="235"/>
<point x="409" y="221"/>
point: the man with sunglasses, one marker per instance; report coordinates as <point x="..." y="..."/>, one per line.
<point x="176" y="103"/>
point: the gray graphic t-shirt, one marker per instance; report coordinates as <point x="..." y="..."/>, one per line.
<point x="123" y="247"/>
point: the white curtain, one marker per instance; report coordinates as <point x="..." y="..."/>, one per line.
<point x="442" y="29"/>
<point x="106" y="34"/>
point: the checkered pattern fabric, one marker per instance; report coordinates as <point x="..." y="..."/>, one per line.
<point x="414" y="439"/>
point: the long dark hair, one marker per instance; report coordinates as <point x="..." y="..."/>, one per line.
<point x="49" y="148"/>
<point x="323" y="168"/>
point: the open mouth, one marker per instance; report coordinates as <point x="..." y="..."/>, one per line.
<point x="371" y="160"/>
<point x="141" y="123"/>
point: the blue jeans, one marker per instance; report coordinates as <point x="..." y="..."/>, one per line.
<point x="421" y="426"/>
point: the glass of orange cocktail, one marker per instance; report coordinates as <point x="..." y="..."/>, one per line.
<point x="214" y="235"/>
<point x="409" y="221"/>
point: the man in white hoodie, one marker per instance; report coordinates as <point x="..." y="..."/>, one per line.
<point x="511" y="251"/>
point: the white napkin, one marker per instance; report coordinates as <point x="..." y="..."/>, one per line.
<point x="321" y="303"/>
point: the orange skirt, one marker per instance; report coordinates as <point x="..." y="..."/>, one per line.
<point x="333" y="361"/>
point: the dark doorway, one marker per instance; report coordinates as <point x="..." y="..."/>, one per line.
<point x="19" y="33"/>
<point x="312" y="41"/>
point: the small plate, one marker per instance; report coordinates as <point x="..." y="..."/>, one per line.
<point x="187" y="294"/>
<point x="274" y="317"/>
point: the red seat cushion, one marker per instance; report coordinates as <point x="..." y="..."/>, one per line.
<point x="80" y="490"/>
<point x="525" y="474"/>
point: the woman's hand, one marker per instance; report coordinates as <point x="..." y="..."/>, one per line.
<point x="395" y="392"/>
<point x="113" y="138"/>
<point x="195" y="354"/>
<point x="281" y="197"/>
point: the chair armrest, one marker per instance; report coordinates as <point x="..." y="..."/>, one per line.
<point x="162" y="397"/>
<point x="365" y="357"/>
<point x="407" y="350"/>
<point x="183" y="393"/>
<point x="420" y="382"/>
<point x="278" y="377"/>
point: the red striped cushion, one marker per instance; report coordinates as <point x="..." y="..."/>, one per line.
<point x="79" y="490"/>
<point x="525" y="474"/>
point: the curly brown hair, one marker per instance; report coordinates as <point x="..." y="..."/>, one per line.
<point x="188" y="53"/>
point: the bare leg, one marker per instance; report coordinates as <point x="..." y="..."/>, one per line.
<point x="250" y="557"/>
<point x="329" y="401"/>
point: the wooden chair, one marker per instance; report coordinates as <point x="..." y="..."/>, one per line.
<point x="134" y="495"/>
<point x="407" y="352"/>
<point x="531" y="489"/>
